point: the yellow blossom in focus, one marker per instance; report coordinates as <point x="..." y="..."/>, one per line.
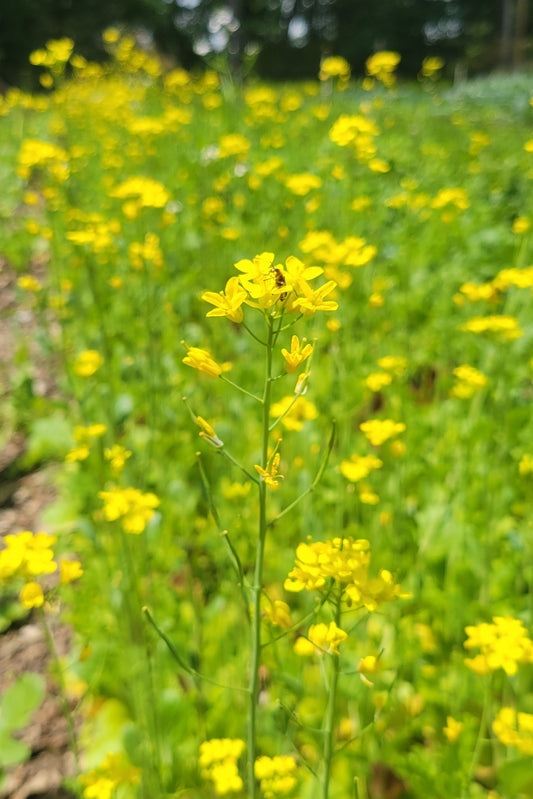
<point x="87" y="363"/>
<point x="327" y="637"/>
<point x="228" y="302"/>
<point x="200" y="359"/>
<point x="380" y="430"/>
<point x="270" y="476"/>
<point x="297" y="355"/>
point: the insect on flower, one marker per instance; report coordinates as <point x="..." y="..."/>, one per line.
<point x="279" y="279"/>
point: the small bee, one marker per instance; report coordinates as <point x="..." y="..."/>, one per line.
<point x="280" y="281"/>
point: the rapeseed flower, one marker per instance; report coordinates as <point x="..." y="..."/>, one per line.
<point x="277" y="775"/>
<point x="279" y="613"/>
<point x="129" y="505"/>
<point x="359" y="466"/>
<point x="228" y="302"/>
<point x="218" y="761"/>
<point x="335" y="67"/>
<point x="469" y="380"/>
<point x="453" y="729"/>
<point x="382" y="66"/>
<point x="380" y="430"/>
<point x="294" y="413"/>
<point x="87" y="363"/>
<point x="346" y="561"/>
<point x="270" y="476"/>
<point x="32" y="596"/>
<point x="504" y="644"/>
<point x="298" y="353"/>
<point x="200" y="359"/>
<point x="505" y="326"/>
<point x="514" y="729"/>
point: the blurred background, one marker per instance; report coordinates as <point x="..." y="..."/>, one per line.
<point x="281" y="39"/>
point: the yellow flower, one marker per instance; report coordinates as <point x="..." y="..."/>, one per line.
<point x="380" y="430"/>
<point x="515" y="729"/>
<point x="29" y="283"/>
<point x="271" y="476"/>
<point x="327" y="638"/>
<point x="302" y="184"/>
<point x="453" y="729"/>
<point x="32" y="596"/>
<point x="294" y="413"/>
<point x="313" y="301"/>
<point x="133" y="508"/>
<point x="359" y="466"/>
<point x="87" y="363"/>
<point x="525" y="466"/>
<point x="277" y="775"/>
<point x="202" y="360"/>
<point x="334" y="67"/>
<point x="228" y="302"/>
<point x="298" y="353"/>
<point x="279" y="613"/>
<point x="69" y="570"/>
<point x="378" y="380"/>
<point x="504" y="644"/>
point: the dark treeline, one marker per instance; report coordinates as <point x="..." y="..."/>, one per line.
<point x="285" y="39"/>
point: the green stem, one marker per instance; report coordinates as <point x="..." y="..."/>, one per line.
<point x="240" y="388"/>
<point x="62" y="691"/>
<point x="329" y="720"/>
<point x="479" y="741"/>
<point x="315" y="482"/>
<point x="258" y="575"/>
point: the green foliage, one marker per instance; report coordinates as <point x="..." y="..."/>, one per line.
<point x="17" y="705"/>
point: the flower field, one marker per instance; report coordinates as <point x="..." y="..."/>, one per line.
<point x="290" y="337"/>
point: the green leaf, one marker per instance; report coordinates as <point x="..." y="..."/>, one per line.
<point x="12" y="751"/>
<point x="516" y="776"/>
<point x="48" y="438"/>
<point x="20" y="700"/>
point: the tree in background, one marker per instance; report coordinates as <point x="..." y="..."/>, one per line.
<point x="289" y="37"/>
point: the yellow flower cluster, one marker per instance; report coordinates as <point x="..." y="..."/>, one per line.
<point x="264" y="286"/>
<point x="469" y="380"/>
<point x="356" y="131"/>
<point x="382" y="66"/>
<point x="142" y="192"/>
<point x="101" y="782"/>
<point x="380" y="430"/>
<point x="56" y="51"/>
<point x="504" y="644"/>
<point x="149" y="251"/>
<point x="87" y="363"/>
<point x="35" y="153"/>
<point x="359" y="466"/>
<point x="83" y="437"/>
<point x="346" y="561"/>
<point x="218" y="761"/>
<point x="335" y="67"/>
<point x="515" y="729"/>
<point x="320" y="638"/>
<point x="26" y="556"/>
<point x="277" y="775"/>
<point x="129" y="505"/>
<point x="503" y="325"/>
